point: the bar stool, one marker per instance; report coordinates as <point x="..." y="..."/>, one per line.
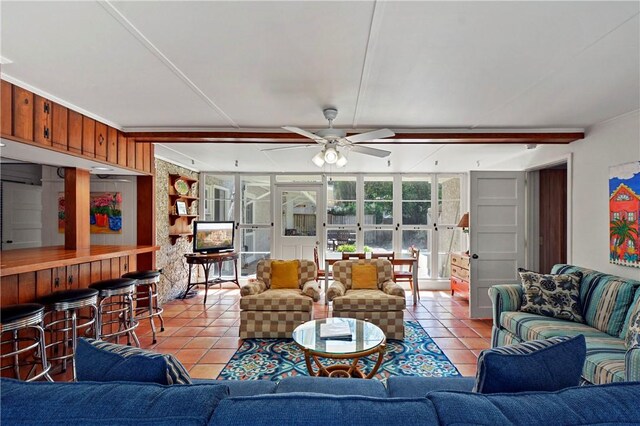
<point x="149" y="280"/>
<point x="68" y="302"/>
<point x="115" y="297"/>
<point x="16" y="318"/>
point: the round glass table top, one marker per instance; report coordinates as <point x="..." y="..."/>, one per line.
<point x="364" y="336"/>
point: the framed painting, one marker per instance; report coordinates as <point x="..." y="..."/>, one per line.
<point x="105" y="212"/>
<point x="624" y="212"/>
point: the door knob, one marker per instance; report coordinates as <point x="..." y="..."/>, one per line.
<point x="474" y="256"/>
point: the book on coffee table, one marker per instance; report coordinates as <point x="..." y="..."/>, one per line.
<point x="340" y="331"/>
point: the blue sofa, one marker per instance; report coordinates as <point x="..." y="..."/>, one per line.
<point x="311" y="401"/>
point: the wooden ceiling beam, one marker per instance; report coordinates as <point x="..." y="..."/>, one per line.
<point x="399" y="138"/>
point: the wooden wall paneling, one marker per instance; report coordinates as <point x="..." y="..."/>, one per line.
<point x="22" y="113"/>
<point x="42" y="120"/>
<point x="115" y="267"/>
<point x="88" y="137"/>
<point x="131" y="153"/>
<point x="75" y="132"/>
<point x="101" y="141"/>
<point x="145" y="221"/>
<point x="59" y="127"/>
<point x="106" y="269"/>
<point x="133" y="263"/>
<point x="8" y="290"/>
<point x="76" y="195"/>
<point x="6" y="108"/>
<point x="552" y="218"/>
<point x="44" y="283"/>
<point x="59" y="277"/>
<point x="140" y="156"/>
<point x="124" y="265"/>
<point x="122" y="149"/>
<point x="112" y="145"/>
<point x="72" y="277"/>
<point x="84" y="275"/>
<point x="27" y="287"/>
<point x="96" y="271"/>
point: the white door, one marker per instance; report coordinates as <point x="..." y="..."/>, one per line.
<point x="496" y="227"/>
<point x="297" y="221"/>
<point x="21" y="216"/>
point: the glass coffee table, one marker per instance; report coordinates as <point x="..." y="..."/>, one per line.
<point x="367" y="339"/>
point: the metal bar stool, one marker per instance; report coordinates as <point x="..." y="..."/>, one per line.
<point x="16" y="318"/>
<point x="149" y="280"/>
<point x="115" y="298"/>
<point x="68" y="302"/>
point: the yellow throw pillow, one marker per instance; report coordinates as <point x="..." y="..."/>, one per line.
<point x="284" y="274"/>
<point x="364" y="277"/>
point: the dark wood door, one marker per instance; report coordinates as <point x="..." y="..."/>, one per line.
<point x="553" y="218"/>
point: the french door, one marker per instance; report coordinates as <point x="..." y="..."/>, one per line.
<point x="298" y="221"/>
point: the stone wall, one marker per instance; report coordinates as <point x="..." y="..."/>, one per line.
<point x="170" y="258"/>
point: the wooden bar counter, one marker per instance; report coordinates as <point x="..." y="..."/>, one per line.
<point x="29" y="274"/>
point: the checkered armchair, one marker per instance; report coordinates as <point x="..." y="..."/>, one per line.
<point x="383" y="307"/>
<point x="274" y="313"/>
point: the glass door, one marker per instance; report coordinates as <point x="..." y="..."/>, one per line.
<point x="297" y="224"/>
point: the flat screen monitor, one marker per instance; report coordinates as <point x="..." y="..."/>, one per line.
<point x="212" y="237"/>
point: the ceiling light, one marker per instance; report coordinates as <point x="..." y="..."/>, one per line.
<point x="2" y="144"/>
<point x="342" y="160"/>
<point x="318" y="159"/>
<point x="330" y="155"/>
<point x="5" y="61"/>
<point x="102" y="168"/>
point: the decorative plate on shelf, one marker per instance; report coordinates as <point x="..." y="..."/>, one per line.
<point x="181" y="187"/>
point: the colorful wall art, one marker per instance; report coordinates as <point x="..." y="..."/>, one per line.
<point x="624" y="214"/>
<point x="105" y="212"/>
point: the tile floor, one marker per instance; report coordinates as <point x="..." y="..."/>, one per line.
<point x="205" y="337"/>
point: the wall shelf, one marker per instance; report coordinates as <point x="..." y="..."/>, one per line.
<point x="180" y="225"/>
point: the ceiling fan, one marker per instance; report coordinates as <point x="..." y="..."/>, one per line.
<point x="332" y="138"/>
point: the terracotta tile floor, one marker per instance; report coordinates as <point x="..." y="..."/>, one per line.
<point x="205" y="337"/>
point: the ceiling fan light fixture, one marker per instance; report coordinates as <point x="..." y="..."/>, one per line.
<point x="330" y="155"/>
<point x="318" y="159"/>
<point x="342" y="160"/>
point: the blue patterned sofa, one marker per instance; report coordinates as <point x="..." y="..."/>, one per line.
<point x="608" y="305"/>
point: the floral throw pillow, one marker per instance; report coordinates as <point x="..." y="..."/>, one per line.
<point x="556" y="296"/>
<point x="633" y="334"/>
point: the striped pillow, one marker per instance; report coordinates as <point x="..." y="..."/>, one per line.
<point x="175" y="372"/>
<point x="607" y="303"/>
<point x="538" y="365"/>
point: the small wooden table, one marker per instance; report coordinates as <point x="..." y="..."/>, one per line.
<point x="207" y="260"/>
<point x="367" y="339"/>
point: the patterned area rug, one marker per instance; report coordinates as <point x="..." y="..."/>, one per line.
<point x="275" y="359"/>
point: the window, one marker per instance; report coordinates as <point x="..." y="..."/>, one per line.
<point x="416" y="200"/>
<point x="631" y="243"/>
<point x="378" y="200"/>
<point x="449" y="214"/>
<point x="631" y="216"/>
<point x="342" y="222"/>
<point x="218" y="197"/>
<point x="616" y="215"/>
<point x="255" y="221"/>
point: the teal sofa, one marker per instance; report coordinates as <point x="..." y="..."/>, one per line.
<point x="608" y="303"/>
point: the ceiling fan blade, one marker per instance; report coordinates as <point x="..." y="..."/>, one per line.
<point x="304" y="133"/>
<point x="370" y="151"/>
<point x="280" y="148"/>
<point x="369" y="136"/>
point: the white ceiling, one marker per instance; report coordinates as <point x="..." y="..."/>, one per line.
<point x="262" y="65"/>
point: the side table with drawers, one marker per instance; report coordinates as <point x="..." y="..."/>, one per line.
<point x="460" y="274"/>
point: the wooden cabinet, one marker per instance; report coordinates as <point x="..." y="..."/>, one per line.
<point x="42" y="120"/>
<point x="59" y="127"/>
<point x="6" y="93"/>
<point x="75" y="132"/>
<point x="112" y="145"/>
<point x="101" y="141"/>
<point x="88" y="137"/>
<point x="122" y="149"/>
<point x="131" y="153"/>
<point x="180" y="224"/>
<point x="460" y="274"/>
<point x="22" y="113"/>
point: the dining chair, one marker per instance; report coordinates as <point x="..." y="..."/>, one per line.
<point x="404" y="275"/>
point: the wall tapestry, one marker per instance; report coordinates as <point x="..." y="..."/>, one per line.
<point x="624" y="214"/>
<point x="105" y="212"/>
